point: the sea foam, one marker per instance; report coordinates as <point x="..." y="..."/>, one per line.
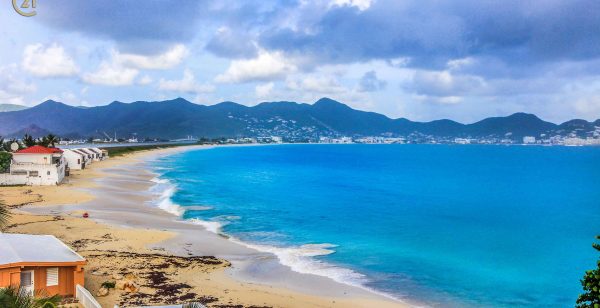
<point x="165" y="190"/>
<point x="300" y="259"/>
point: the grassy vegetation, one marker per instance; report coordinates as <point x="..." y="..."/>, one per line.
<point x="118" y="151"/>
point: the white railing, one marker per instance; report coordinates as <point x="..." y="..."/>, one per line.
<point x="85" y="298"/>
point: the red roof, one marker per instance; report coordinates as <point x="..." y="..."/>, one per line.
<point x="38" y="149"/>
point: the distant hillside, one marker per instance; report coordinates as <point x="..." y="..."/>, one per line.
<point x="179" y="118"/>
<point x="32" y="130"/>
<point x="11" y="107"/>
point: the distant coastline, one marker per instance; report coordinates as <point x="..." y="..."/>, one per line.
<point x="324" y="121"/>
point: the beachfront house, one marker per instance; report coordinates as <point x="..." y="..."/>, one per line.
<point x="102" y="154"/>
<point x="36" y="165"/>
<point x="96" y="152"/>
<point x="39" y="264"/>
<point x="87" y="156"/>
<point x="75" y="161"/>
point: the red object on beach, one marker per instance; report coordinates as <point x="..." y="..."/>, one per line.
<point x="86" y="215"/>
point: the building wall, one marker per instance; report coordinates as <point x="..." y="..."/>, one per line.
<point x="74" y="160"/>
<point x="33" y="158"/>
<point x="33" y="175"/>
<point x="68" y="278"/>
<point x="10" y="276"/>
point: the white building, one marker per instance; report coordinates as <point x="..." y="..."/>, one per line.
<point x="87" y="156"/>
<point x="75" y="160"/>
<point x="96" y="155"/>
<point x="528" y="139"/>
<point x="36" y="165"/>
<point x="102" y="154"/>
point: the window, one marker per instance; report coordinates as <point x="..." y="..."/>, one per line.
<point x="78" y="161"/>
<point x="48" y="173"/>
<point x="52" y="276"/>
<point x="33" y="173"/>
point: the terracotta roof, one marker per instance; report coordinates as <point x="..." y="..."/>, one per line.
<point x="38" y="149"/>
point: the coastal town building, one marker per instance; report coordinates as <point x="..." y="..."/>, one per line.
<point x="91" y="155"/>
<point x="75" y="160"/>
<point x="39" y="264"/>
<point x="36" y="165"/>
<point x="528" y="139"/>
<point x="100" y="154"/>
<point x="86" y="156"/>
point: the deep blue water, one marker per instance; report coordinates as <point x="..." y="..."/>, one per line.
<point x="449" y="225"/>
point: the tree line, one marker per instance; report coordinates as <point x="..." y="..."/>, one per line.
<point x="48" y="141"/>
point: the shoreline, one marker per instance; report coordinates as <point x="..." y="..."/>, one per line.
<point x="118" y="193"/>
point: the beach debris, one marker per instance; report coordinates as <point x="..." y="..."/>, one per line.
<point x="86" y="215"/>
<point x="127" y="285"/>
<point x="102" y="292"/>
<point x="131" y="287"/>
<point x="120" y="284"/>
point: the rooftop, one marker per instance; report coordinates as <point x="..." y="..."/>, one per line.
<point x="38" y="149"/>
<point x="26" y="248"/>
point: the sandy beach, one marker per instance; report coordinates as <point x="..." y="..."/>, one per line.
<point x="172" y="261"/>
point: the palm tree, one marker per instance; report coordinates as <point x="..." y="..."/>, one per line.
<point x="51" y="140"/>
<point x="13" y="297"/>
<point x="28" y="140"/>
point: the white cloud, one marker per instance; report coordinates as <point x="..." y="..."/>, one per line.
<point x="444" y="83"/>
<point x="457" y="64"/>
<point x="360" y="4"/>
<point x="51" y="61"/>
<point x="111" y="74"/>
<point x="13" y="87"/>
<point x="122" y="69"/>
<point x="186" y="84"/>
<point x="443" y="100"/>
<point x="145" y="80"/>
<point x="264" y="90"/>
<point x="321" y="84"/>
<point x="169" y="59"/>
<point x="267" y="66"/>
<point x="588" y="105"/>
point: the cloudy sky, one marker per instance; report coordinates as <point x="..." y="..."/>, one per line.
<point x="424" y="60"/>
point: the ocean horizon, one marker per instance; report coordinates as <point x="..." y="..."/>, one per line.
<point x="443" y="225"/>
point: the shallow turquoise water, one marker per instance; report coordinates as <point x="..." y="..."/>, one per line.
<point x="449" y="225"/>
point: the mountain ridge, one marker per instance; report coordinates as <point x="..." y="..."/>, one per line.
<point x="177" y="118"/>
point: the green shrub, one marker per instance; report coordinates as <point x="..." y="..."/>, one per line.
<point x="108" y="284"/>
<point x="5" y="159"/>
<point x="591" y="285"/>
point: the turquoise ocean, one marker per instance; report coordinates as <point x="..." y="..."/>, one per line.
<point x="447" y="225"/>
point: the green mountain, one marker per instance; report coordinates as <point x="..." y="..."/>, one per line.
<point x="179" y="118"/>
